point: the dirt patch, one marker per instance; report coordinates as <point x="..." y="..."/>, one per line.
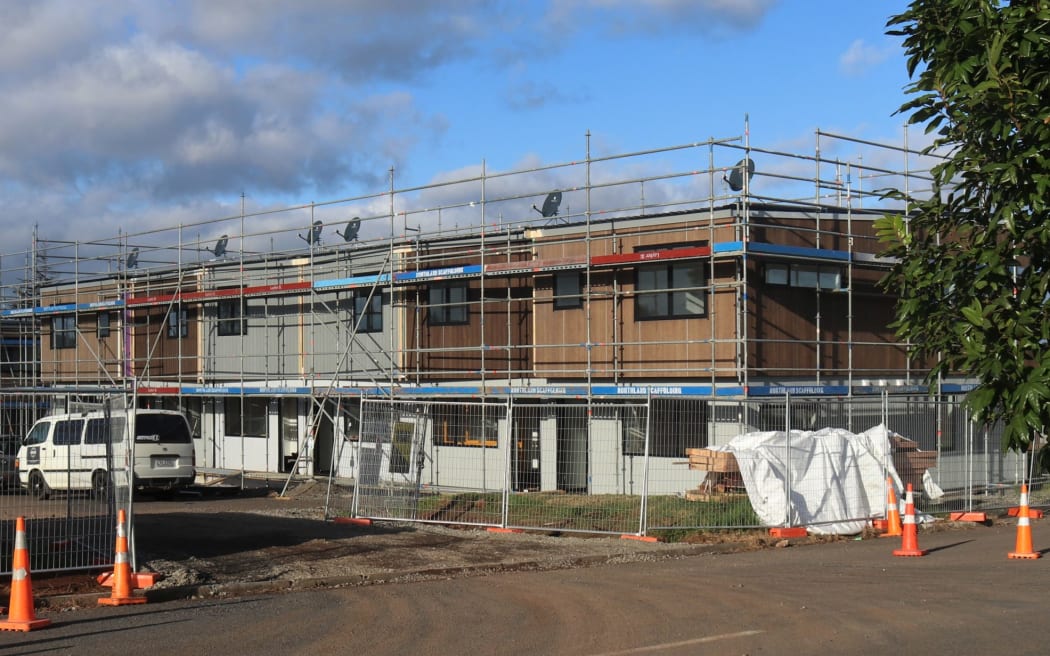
<point x="222" y="538"/>
<point x="243" y="541"/>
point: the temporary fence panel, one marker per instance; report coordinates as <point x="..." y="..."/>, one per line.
<point x="578" y="467"/>
<point x="672" y="463"/>
<point x="73" y="473"/>
<point x="432" y="461"/>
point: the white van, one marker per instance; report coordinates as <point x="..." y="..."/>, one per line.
<point x="72" y="452"/>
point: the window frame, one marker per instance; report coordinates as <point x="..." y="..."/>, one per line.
<point x="467" y="426"/>
<point x="667" y="293"/>
<point x="103" y="324"/>
<point x="234" y="413"/>
<point x="446" y="310"/>
<point x="371" y="317"/>
<point x="673" y="426"/>
<point x="822" y="277"/>
<point x="178" y="322"/>
<point x="64" y="331"/>
<point x="230" y="317"/>
<point x="567" y="287"/>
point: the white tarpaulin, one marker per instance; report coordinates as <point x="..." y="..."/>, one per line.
<point x="837" y="479"/>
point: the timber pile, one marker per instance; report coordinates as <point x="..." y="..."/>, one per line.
<point x="723" y="474"/>
<point x="909" y="461"/>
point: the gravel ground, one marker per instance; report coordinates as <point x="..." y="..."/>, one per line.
<point x="226" y="541"/>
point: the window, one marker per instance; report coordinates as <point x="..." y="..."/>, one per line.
<point x="39" y="433"/>
<point x="178" y="325"/>
<point x="675" y="425"/>
<point x="807" y="276"/>
<point x="100" y="431"/>
<point x="231" y="318"/>
<point x="448" y="305"/>
<point x="567" y="288"/>
<point x="246" y="421"/>
<point x="104" y="319"/>
<point x="68" y="432"/>
<point x="777" y="274"/>
<point x="368" y="312"/>
<point x="64" y="331"/>
<point x="670" y="291"/>
<point x="467" y="425"/>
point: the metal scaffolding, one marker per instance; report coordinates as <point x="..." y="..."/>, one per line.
<point x="447" y="287"/>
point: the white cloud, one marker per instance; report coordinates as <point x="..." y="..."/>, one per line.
<point x="861" y="57"/>
<point x="655" y="16"/>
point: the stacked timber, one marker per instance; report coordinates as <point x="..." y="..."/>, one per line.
<point x="712" y="461"/>
<point x="910" y="462"/>
<point x="723" y="474"/>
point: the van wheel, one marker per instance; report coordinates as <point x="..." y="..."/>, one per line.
<point x="100" y="486"/>
<point x="38" y="486"/>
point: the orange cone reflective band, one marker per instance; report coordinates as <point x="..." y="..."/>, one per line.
<point x="893" y="513"/>
<point x="910" y="537"/>
<point x="1023" y="547"/>
<point x="122" y="587"/>
<point x="20" y="615"/>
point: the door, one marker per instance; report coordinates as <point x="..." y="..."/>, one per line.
<point x="323" y="440"/>
<point x="289" y="428"/>
<point x="526" y="444"/>
<point x="61" y="459"/>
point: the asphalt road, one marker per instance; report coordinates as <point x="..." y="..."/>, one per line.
<point x="852" y="597"/>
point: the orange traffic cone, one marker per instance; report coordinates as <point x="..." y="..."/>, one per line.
<point x="893" y="513"/>
<point x="20" y="616"/>
<point x="121" y="594"/>
<point x="910" y="537"/>
<point x="1023" y="546"/>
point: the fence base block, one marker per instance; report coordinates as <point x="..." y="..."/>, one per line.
<point x="1033" y="513"/>
<point x="978" y="517"/>
<point x="139" y="580"/>
<point x="355" y="521"/>
<point x="639" y="538"/>
<point x="497" y="529"/>
<point x="788" y="532"/>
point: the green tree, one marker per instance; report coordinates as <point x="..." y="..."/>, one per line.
<point x="974" y="255"/>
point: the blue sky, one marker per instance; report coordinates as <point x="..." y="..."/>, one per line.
<point x="121" y="115"/>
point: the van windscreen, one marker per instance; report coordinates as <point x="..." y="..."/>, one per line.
<point x="160" y="428"/>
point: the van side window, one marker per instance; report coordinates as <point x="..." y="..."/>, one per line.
<point x="39" y="433"/>
<point x="68" y="432"/>
<point x="97" y="431"/>
<point x="117" y="428"/>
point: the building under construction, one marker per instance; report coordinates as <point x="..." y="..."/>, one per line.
<point x="724" y="273"/>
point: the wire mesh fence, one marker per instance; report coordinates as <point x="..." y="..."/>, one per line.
<point x="673" y="463"/>
<point x="66" y="474"/>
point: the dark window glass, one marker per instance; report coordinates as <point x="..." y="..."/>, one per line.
<point x="247" y="419"/>
<point x="68" y="432"/>
<point x="231" y="317"/>
<point x="368" y="312"/>
<point x="670" y="291"/>
<point x="104" y="319"/>
<point x="64" y="331"/>
<point x="448" y="305"/>
<point x="178" y="326"/>
<point x="567" y="290"/>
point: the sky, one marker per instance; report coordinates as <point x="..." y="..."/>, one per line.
<point x="121" y="116"/>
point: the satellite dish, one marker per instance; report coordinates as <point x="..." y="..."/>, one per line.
<point x="550" y="205"/>
<point x="314" y="236"/>
<point x="220" y="246"/>
<point x="352" y="228"/>
<point x="133" y="259"/>
<point x="735" y="179"/>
